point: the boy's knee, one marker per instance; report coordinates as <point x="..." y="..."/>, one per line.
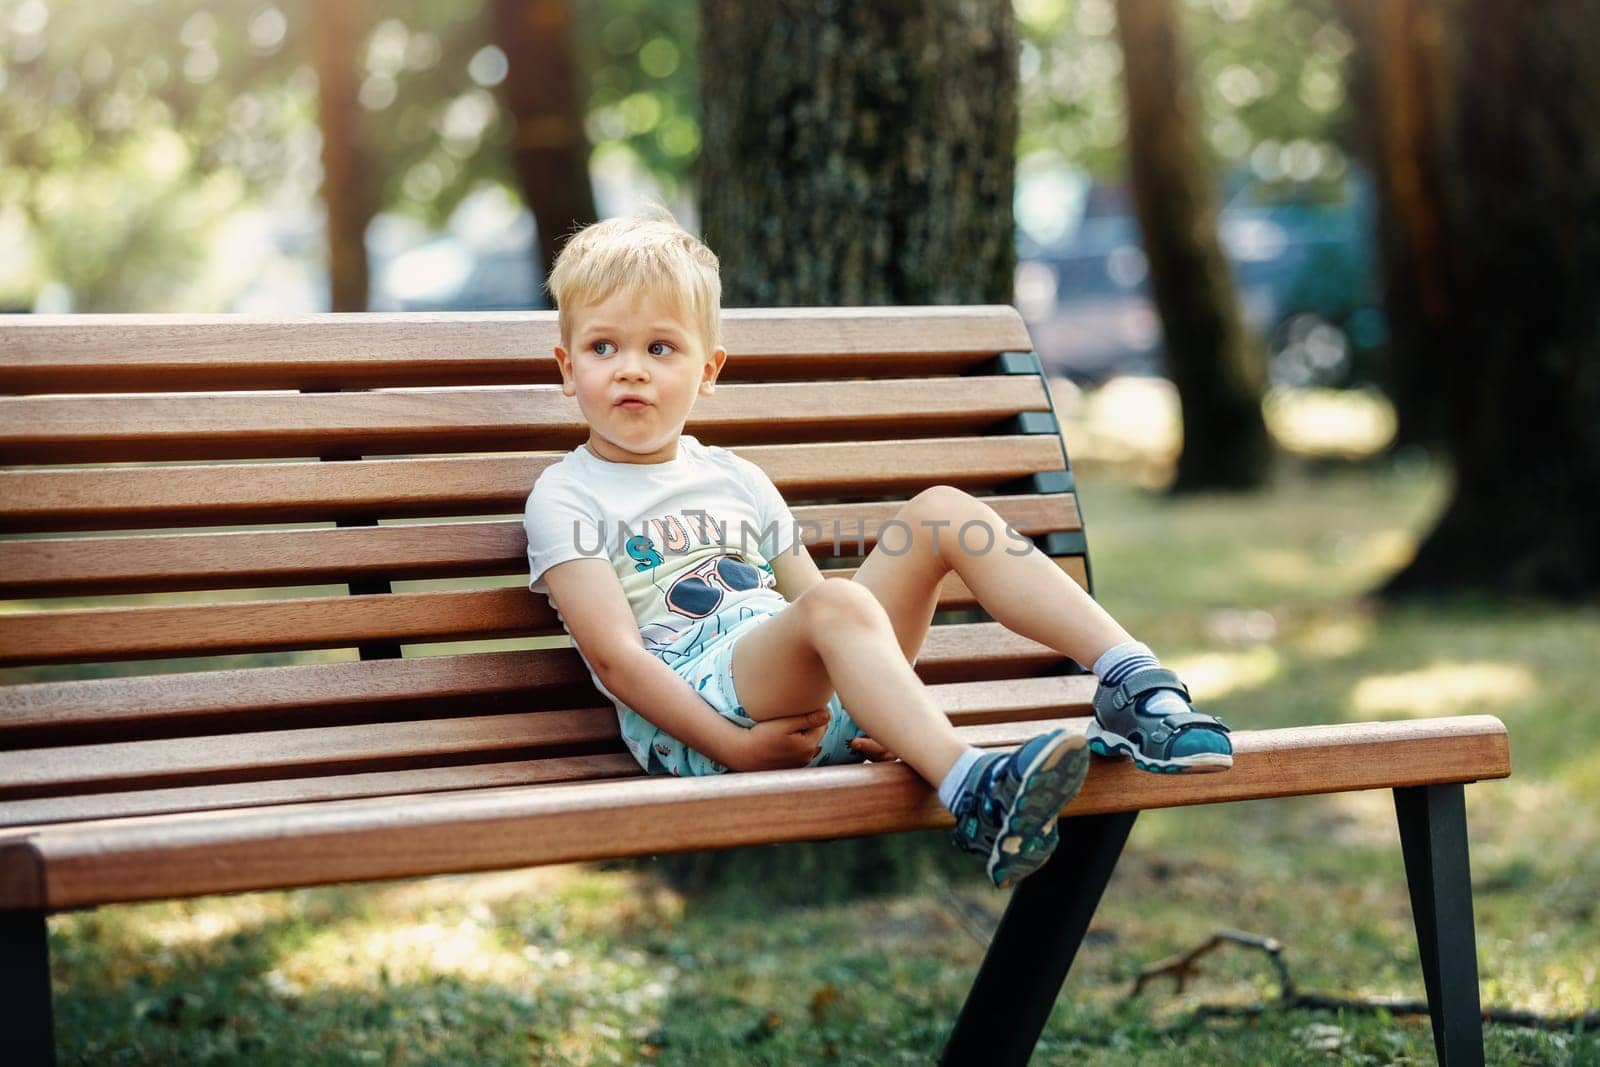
<point x="835" y="603"/>
<point x="939" y="500"/>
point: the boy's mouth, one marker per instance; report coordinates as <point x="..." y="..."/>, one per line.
<point x="632" y="403"/>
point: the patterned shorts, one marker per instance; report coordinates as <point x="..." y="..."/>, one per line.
<point x="704" y="659"/>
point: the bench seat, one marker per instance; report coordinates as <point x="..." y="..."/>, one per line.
<point x="499" y="825"/>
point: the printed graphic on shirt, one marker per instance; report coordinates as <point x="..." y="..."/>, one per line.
<point x="682" y="571"/>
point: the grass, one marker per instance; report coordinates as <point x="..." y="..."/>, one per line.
<point x="1257" y="599"/>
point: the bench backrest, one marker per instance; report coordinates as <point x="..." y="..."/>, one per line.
<point x="257" y="561"/>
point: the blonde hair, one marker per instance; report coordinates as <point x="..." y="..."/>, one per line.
<point x="649" y="254"/>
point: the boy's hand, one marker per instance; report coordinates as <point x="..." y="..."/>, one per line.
<point x="776" y="744"/>
<point x="872" y="750"/>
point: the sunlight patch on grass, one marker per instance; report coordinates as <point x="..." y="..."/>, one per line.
<point x="368" y="956"/>
<point x="1444" y="688"/>
<point x="1348" y="423"/>
<point x="1283" y="566"/>
<point x="191" y="923"/>
<point x="495" y="887"/>
<point x="1386" y="550"/>
<point x="1334" y="638"/>
<point x="1358" y="560"/>
<point x="372" y="957"/>
<point x="1212" y="675"/>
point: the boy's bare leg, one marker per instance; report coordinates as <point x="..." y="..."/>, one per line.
<point x="837" y="637"/>
<point x="830" y="640"/>
<point x="1027" y="593"/>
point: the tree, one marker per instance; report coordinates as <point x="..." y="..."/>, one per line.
<point x="855" y="154"/>
<point x="1399" y="83"/>
<point x="1513" y="343"/>
<point x="1217" y="370"/>
<point x="859" y="153"/>
<point x="548" y="146"/>
<point x="338" y="32"/>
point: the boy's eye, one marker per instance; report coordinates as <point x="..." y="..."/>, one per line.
<point x="660" y="344"/>
<point x="599" y="345"/>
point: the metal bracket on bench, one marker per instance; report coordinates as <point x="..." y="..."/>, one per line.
<point x="1031" y="422"/>
<point x="363" y="586"/>
<point x="1063" y="481"/>
<point x="1046" y="482"/>
<point x="1007" y="363"/>
<point x="1063" y="543"/>
<point x="1027" y="422"/>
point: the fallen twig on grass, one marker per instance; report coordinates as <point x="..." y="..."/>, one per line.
<point x="1183" y="966"/>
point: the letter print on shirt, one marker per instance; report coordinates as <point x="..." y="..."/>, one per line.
<point x="695" y="589"/>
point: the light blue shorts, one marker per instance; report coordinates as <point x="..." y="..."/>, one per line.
<point x="704" y="659"/>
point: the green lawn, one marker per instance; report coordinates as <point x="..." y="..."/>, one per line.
<point x="1256" y="599"/>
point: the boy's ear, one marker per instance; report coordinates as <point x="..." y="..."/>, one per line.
<point x="564" y="362"/>
<point x="714" y="362"/>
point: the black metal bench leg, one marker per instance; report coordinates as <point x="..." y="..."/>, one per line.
<point x="1433" y="838"/>
<point x="25" y="988"/>
<point x="1035" y="944"/>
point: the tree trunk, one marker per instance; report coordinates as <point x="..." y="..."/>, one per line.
<point x="1400" y="90"/>
<point x="859" y="153"/>
<point x="1521" y="373"/>
<point x="338" y="40"/>
<point x="1216" y="368"/>
<point x="855" y="154"/>
<point x="549" y="146"/>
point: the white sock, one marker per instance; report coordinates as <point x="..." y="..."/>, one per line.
<point x="950" y="788"/>
<point x="1118" y="662"/>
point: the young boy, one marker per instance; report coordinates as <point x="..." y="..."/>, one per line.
<point x="675" y="568"/>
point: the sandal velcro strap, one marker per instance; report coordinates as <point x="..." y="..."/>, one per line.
<point x="1138" y="683"/>
<point x="1174" y="724"/>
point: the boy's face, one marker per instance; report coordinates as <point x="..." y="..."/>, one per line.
<point x="632" y="345"/>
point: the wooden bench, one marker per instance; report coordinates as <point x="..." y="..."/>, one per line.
<point x="328" y="483"/>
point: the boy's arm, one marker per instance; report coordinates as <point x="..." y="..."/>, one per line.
<point x="651" y="688"/>
<point x="795" y="572"/>
<point x="592" y="603"/>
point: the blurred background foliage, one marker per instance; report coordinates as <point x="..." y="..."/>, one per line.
<point x="132" y="133"/>
<point x="1270" y="73"/>
<point x="137" y="136"/>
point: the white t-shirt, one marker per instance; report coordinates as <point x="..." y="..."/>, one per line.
<point x="688" y="539"/>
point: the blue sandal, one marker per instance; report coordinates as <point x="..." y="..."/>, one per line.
<point x="1160" y="743"/>
<point x="1008" y="815"/>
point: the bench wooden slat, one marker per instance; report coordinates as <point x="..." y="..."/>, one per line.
<point x="161" y="857"/>
<point x="134" y="497"/>
<point x="291" y="624"/>
<point x="133" y="353"/>
<point x="295" y="624"/>
<point x="323" y="787"/>
<point x="175" y="762"/>
<point x="277" y="753"/>
<point x="238" y="425"/>
<point x="146" y="706"/>
<point x="77" y="566"/>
